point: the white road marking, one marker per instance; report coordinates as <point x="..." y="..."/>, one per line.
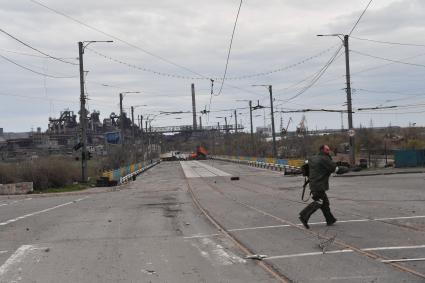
<point x="345" y="251"/>
<point x="201" y="236"/>
<point x="11" y="270"/>
<point x="314" y="223"/>
<point x="16" y="258"/>
<point x="217" y="253"/>
<point x="339" y="221"/>
<point x="16" y="201"/>
<point x="38" y="212"/>
<point x="403" y="259"/>
<point x="196" y="169"/>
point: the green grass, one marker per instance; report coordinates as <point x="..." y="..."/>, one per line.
<point x="69" y="188"/>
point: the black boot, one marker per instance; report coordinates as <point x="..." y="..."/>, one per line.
<point x="330" y="219"/>
<point x="307" y="212"/>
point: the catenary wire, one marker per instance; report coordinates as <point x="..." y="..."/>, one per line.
<point x="37" y="50"/>
<point x="361" y="16"/>
<point x="387" y="59"/>
<point x="230" y="49"/>
<point x="389" y="42"/>
<point x="36" y="72"/>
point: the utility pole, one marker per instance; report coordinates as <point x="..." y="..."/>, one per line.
<point x="121" y="121"/>
<point x="344" y="38"/>
<point x="83" y="116"/>
<point x="83" y="113"/>
<point x="193" y="106"/>
<point x="252" y="130"/>
<point x="273" y="130"/>
<point x="349" y="104"/>
<point x="236" y="122"/>
<point x="200" y="122"/>
<point x="225" y="124"/>
<point x="132" y="123"/>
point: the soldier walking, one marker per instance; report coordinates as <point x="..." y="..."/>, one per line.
<point x="321" y="167"/>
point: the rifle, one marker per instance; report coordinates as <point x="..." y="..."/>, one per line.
<point x="306" y="172"/>
<point x="306" y="181"/>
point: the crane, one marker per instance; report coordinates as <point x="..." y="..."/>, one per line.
<point x="284" y="131"/>
<point x="301" y="129"/>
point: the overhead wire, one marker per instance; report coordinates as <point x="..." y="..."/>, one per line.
<point x="114" y="37"/>
<point x="37" y="50"/>
<point x="361" y="16"/>
<point x="387" y="59"/>
<point x="389" y="42"/>
<point x="230" y="49"/>
<point x="317" y="76"/>
<point x="144" y="69"/>
<point x="280" y="69"/>
<point x="37" y="72"/>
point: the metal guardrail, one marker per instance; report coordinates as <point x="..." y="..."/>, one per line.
<point x="281" y="165"/>
<point x="124" y="174"/>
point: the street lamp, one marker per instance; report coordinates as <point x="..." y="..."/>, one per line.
<point x="250" y="119"/>
<point x="83" y="115"/>
<point x="344" y="38"/>
<point x="272" y="114"/>
<point x="121" y="115"/>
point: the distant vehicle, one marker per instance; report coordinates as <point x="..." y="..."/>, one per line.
<point x="200" y="154"/>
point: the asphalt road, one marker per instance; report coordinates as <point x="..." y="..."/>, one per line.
<point x="151" y="230"/>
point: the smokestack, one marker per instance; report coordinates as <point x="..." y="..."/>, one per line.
<point x="193" y="106"/>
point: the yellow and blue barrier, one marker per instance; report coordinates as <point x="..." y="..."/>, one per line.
<point x="125" y="173"/>
<point x="289" y="166"/>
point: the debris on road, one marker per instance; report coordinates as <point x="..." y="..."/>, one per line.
<point x="234" y="178"/>
<point x="256" y="257"/>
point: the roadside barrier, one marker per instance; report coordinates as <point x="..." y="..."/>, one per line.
<point x="288" y="166"/>
<point x="126" y="173"/>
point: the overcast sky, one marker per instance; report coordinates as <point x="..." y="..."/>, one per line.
<point x="190" y="39"/>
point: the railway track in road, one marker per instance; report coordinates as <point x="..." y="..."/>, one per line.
<point x="268" y="266"/>
<point x="336" y="209"/>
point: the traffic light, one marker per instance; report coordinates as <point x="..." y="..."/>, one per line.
<point x="89" y="155"/>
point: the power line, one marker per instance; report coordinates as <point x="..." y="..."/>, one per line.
<point x="33" y="71"/>
<point x="317" y="76"/>
<point x="387" y="59"/>
<point x="37" y="50"/>
<point x="391" y="113"/>
<point x="230" y="48"/>
<point x="265" y="73"/>
<point x="133" y="66"/>
<point x="364" y="11"/>
<point x="115" y="37"/>
<point x="389" y="42"/>
<point x="388" y="91"/>
<point x="23" y="53"/>
<point x="312" y="110"/>
<point x="371" y="68"/>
